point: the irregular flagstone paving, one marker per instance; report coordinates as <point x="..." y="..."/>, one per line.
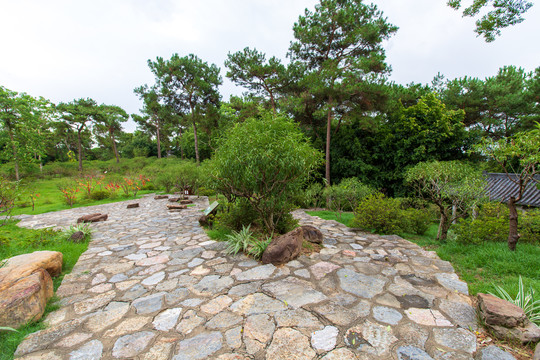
<point x="152" y="285"/>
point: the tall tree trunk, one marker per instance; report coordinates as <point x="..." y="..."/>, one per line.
<point x="195" y="133"/>
<point x="14" y="149"/>
<point x="196" y="142"/>
<point x="513" y="235"/>
<point x="328" y="135"/>
<point x="80" y="148"/>
<point x="158" y="140"/>
<point x="114" y="147"/>
<point x="444" y="225"/>
<point x="181" y="145"/>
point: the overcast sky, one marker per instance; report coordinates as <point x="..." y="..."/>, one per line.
<point x="67" y="49"/>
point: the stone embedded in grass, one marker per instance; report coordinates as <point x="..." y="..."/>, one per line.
<point x="77" y="237"/>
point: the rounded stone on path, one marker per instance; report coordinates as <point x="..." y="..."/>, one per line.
<point x="90" y="351"/>
<point x="462" y="314"/>
<point x="257" y="273"/>
<point x="234" y="337"/>
<point x="493" y="352"/>
<point x="411" y="352"/>
<point x="370" y="337"/>
<point x="159" y="259"/>
<point x="132" y="345"/>
<point x="387" y="315"/>
<point x="323" y="268"/>
<point x="118" y="278"/>
<point x="325" y="339"/>
<point x="199" y="347"/>
<point x="259" y="327"/>
<point x="101" y="288"/>
<point x="98" y="279"/>
<point x="73" y="339"/>
<point x="154" y="279"/>
<point x="216" y="305"/>
<point x="160" y="350"/>
<point x="189" y="322"/>
<point x="149" y="304"/>
<point x="457" y="339"/>
<point x="288" y="344"/>
<point x="195" y="262"/>
<point x="340" y="354"/>
<point x="167" y="319"/>
<point x="360" y="284"/>
<point x="128" y="326"/>
<point x="88" y="305"/>
<point x="427" y="317"/>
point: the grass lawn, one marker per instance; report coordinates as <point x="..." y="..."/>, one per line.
<point x="481" y="266"/>
<point x="16" y="241"/>
<point x="344" y="218"/>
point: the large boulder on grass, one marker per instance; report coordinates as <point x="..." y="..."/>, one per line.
<point x="26" y="285"/>
<point x="91" y="218"/>
<point x="25" y="299"/>
<point x="506" y="320"/>
<point x="23" y="265"/>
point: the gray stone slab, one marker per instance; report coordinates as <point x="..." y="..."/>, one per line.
<point x="199" y="347"/>
<point x="360" y="284"/>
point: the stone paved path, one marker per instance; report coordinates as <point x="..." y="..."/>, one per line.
<point x="152" y="285"/>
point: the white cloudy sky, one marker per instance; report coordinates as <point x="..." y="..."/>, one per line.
<point x="68" y="49"/>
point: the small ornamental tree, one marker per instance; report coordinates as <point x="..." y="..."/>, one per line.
<point x="265" y="161"/>
<point x="453" y="186"/>
<point x="525" y="148"/>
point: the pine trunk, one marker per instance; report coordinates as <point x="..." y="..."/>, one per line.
<point x="14" y="149"/>
<point x="158" y="140"/>
<point x="196" y="142"/>
<point x="328" y="135"/>
<point x="513" y="235"/>
<point x="80" y="149"/>
<point x="115" y="149"/>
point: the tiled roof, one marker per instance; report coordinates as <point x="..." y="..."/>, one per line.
<point x="500" y="188"/>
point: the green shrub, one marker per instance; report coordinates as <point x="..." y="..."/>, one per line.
<point x="346" y="195"/>
<point x="379" y="214"/>
<point x="236" y="215"/>
<point x="529" y="226"/>
<point x="311" y="197"/>
<point x="492" y="225"/>
<point x="415" y="221"/>
<point x="99" y="195"/>
<point x="265" y="161"/>
<point x="202" y="191"/>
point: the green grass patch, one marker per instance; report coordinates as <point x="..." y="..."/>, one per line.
<point x="345" y="217"/>
<point x="16" y="241"/>
<point x="218" y="233"/>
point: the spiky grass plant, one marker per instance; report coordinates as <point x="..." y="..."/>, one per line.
<point x="523" y="299"/>
<point x="239" y="240"/>
<point x="83" y="227"/>
<point x="258" y="247"/>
